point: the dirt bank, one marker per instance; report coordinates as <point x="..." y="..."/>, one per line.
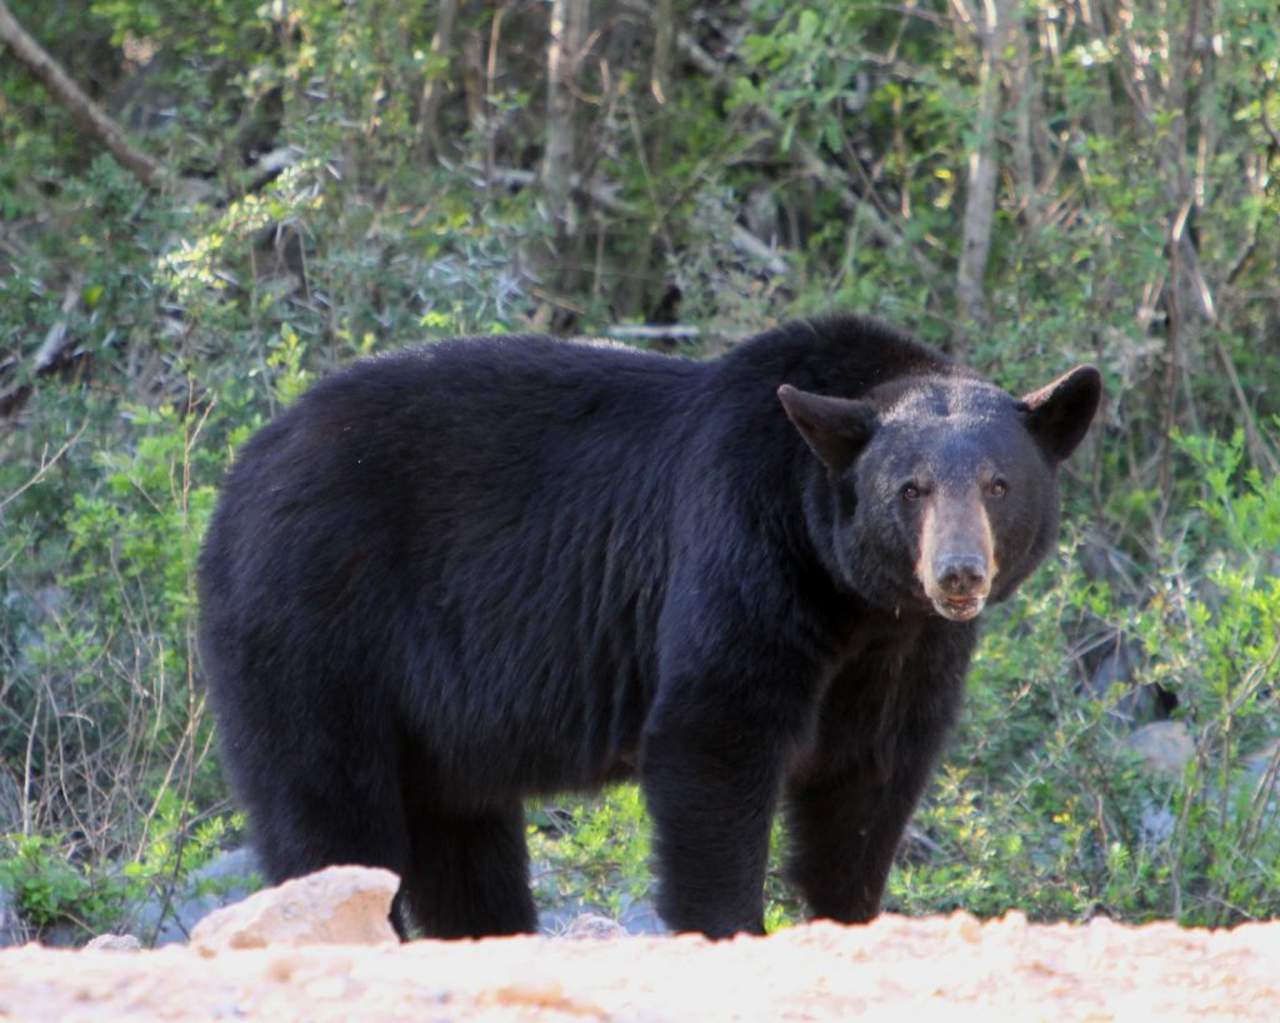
<point x="912" y="970"/>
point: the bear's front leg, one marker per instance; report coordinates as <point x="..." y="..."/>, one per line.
<point x="881" y="728"/>
<point x="711" y="789"/>
<point x="844" y="834"/>
<point x="735" y="698"/>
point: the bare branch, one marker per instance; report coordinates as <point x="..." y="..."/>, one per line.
<point x="55" y="341"/>
<point x="433" y="90"/>
<point x="86" y="113"/>
<point x="47" y="462"/>
<point x="660" y="83"/>
<point x="1258" y="448"/>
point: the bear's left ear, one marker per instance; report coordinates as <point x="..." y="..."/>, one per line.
<point x="836" y="429"/>
<point x="1059" y="414"/>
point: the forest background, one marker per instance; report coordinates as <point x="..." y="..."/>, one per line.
<point x="204" y="206"/>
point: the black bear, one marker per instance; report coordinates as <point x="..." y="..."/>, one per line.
<point x="457" y="575"/>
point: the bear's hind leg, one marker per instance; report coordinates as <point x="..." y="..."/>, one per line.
<point x="468" y="873"/>
<point x="301" y="825"/>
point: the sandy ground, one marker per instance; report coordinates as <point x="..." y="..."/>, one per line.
<point x="901" y="969"/>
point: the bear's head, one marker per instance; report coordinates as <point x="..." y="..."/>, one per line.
<point x="940" y="492"/>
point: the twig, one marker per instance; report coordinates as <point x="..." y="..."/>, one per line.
<point x="26" y="765"/>
<point x="55" y="341"/>
<point x="45" y="465"/>
<point x="86" y="113"/>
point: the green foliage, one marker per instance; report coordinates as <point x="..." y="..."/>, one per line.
<point x="596" y="851"/>
<point x="47" y="889"/>
<point x="114" y="744"/>
<point x="50" y="888"/>
<point x="836" y="135"/>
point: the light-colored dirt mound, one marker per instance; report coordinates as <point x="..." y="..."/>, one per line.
<point x="912" y="970"/>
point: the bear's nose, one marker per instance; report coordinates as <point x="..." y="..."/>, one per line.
<point x="961" y="575"/>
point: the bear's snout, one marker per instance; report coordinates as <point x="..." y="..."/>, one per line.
<point x="961" y="575"/>
<point x="960" y="585"/>
<point x="957" y="559"/>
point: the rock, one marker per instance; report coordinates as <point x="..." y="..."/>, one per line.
<point x="12" y="931"/>
<point x="641" y="917"/>
<point x="1156" y="824"/>
<point x="223" y="881"/>
<point x="1164" y="746"/>
<point x="1115" y="666"/>
<point x="340" y="905"/>
<point x="10" y="797"/>
<point x="236" y="865"/>
<point x="593" y="926"/>
<point x="634" y="917"/>
<point x="1260" y="761"/>
<point x="114" y="943"/>
<point x="61" y="934"/>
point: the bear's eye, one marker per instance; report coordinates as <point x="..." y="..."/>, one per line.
<point x="998" y="488"/>
<point x="911" y="492"/>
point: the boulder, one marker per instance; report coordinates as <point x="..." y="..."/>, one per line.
<point x="340" y="905"/>
<point x="1164" y="746"/>
<point x="12" y="932"/>
<point x="1261" y="761"/>
<point x="114" y="943"/>
<point x="594" y="926"/>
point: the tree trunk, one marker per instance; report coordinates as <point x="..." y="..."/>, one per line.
<point x="433" y="90"/>
<point x="1026" y="94"/>
<point x="568" y="30"/>
<point x="87" y="114"/>
<point x="1101" y="114"/>
<point x="991" y="25"/>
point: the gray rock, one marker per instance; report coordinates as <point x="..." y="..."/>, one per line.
<point x="223" y="881"/>
<point x="1156" y="825"/>
<point x="567" y="919"/>
<point x="114" y="943"/>
<point x="12" y="930"/>
<point x="61" y="934"/>
<point x="1260" y="761"/>
<point x="640" y="917"/>
<point x="1113" y="679"/>
<point x="1116" y="665"/>
<point x="1164" y="746"/>
<point x="593" y="926"/>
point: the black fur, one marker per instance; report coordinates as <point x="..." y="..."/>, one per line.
<point x="461" y="574"/>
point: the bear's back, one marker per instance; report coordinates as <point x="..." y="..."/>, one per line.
<point x="840" y="355"/>
<point x="465" y="518"/>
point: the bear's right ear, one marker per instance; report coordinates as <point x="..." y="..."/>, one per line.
<point x="836" y="429"/>
<point x="1059" y="414"/>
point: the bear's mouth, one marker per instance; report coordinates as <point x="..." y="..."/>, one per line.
<point x="960" y="609"/>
